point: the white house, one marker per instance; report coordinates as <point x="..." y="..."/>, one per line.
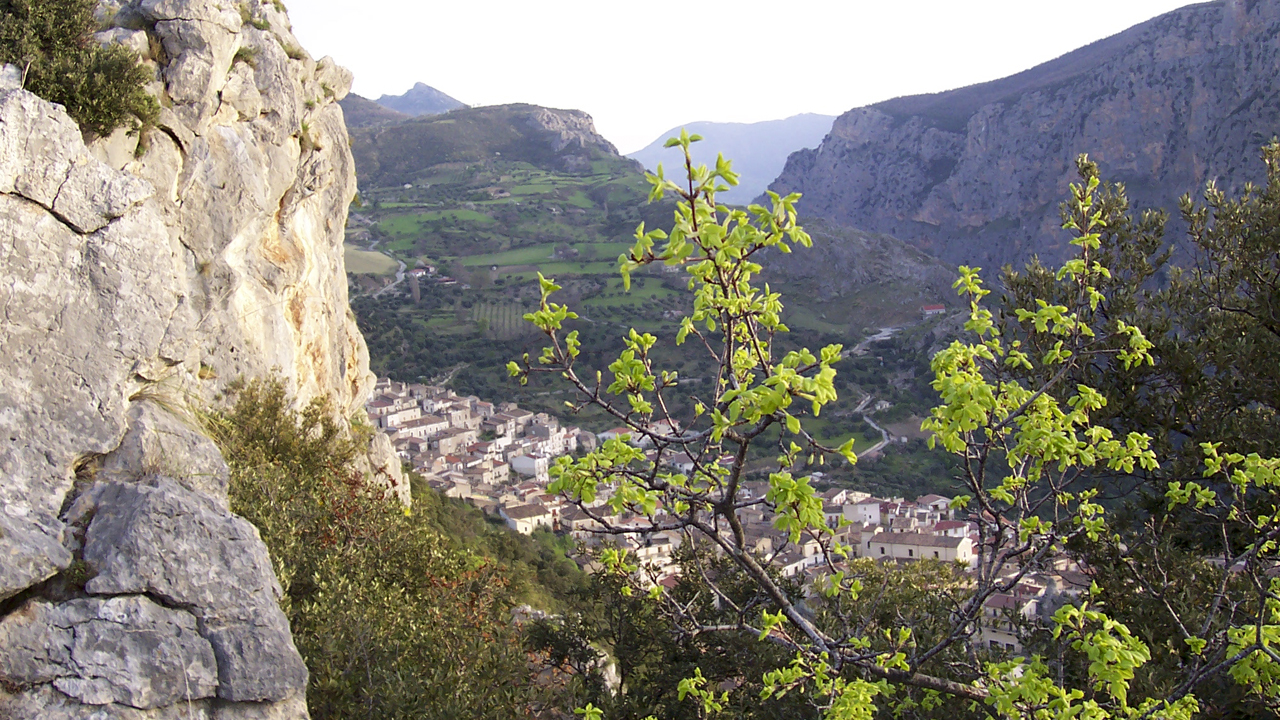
<point x="1001" y="615"/>
<point x="525" y="518"/>
<point x="937" y="503"/>
<point x="534" y="466"/>
<point x="864" y="512"/>
<point x="615" y="434"/>
<point x="919" y="546"/>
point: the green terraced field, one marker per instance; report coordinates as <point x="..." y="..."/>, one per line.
<point x="643" y="290"/>
<point x="501" y="320"/>
<point x="520" y="256"/>
<point x="411" y="223"/>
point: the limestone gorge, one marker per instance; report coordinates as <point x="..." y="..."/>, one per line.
<point x="137" y="283"/>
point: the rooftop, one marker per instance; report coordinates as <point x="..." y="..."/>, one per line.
<point x="918" y="539"/>
<point x="524" y="512"/>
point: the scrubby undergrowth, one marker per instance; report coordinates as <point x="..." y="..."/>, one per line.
<point x="394" y="617"/>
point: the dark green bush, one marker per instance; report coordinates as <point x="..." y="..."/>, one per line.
<point x="102" y="88"/>
<point x="393" y="618"/>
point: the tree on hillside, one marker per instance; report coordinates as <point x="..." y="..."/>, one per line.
<point x="1171" y="569"/>
<point x="52" y="43"/>
<point x="1025" y="429"/>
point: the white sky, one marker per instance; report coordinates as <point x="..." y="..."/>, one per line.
<point x="640" y="68"/>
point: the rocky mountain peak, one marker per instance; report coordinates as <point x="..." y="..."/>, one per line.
<point x="421" y="99"/>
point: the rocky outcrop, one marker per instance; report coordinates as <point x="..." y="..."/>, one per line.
<point x="136" y="282"/>
<point x="567" y="129"/>
<point x="976" y="175"/>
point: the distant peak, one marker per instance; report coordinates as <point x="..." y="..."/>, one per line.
<point x="421" y="99"/>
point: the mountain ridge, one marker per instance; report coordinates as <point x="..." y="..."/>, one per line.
<point x="975" y="175"/>
<point x="758" y="150"/>
<point x="363" y="112"/>
<point x="563" y="140"/>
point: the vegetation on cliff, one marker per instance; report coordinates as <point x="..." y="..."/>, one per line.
<point x="103" y="87"/>
<point x="397" y="614"/>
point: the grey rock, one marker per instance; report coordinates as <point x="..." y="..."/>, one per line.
<point x="135" y="40"/>
<point x="122" y="650"/>
<point x="35" y="644"/>
<point x="162" y="539"/>
<point x="568" y="128"/>
<point x="118" y="149"/>
<point x="80" y="311"/>
<point x="130" y="289"/>
<point x="201" y="51"/>
<point x="43" y="160"/>
<point x="218" y="14"/>
<point x="292" y="709"/>
<point x="10" y="77"/>
<point x="976" y="175"/>
<point x="137" y="653"/>
<point x="36" y="148"/>
<point x="94" y="194"/>
<point x="333" y="78"/>
<point x="242" y="93"/>
<point x="256" y="657"/>
<point x="47" y="703"/>
<point x="160" y="443"/>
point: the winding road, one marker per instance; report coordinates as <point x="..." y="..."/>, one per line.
<point x="884" y="334"/>
<point x="885" y="439"/>
<point x="399" y="278"/>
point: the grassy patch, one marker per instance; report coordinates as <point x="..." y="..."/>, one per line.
<point x="579" y="199"/>
<point x="810" y="318"/>
<point x="643" y="290"/>
<point x="364" y="262"/>
<point x="534" y="255"/>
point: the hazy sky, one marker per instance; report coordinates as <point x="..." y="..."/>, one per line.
<point x="641" y="68"/>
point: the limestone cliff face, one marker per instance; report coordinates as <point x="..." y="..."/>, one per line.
<point x="135" y="284"/>
<point x="976" y="175"/>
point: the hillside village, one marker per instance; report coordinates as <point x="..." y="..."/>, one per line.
<point x="497" y="458"/>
